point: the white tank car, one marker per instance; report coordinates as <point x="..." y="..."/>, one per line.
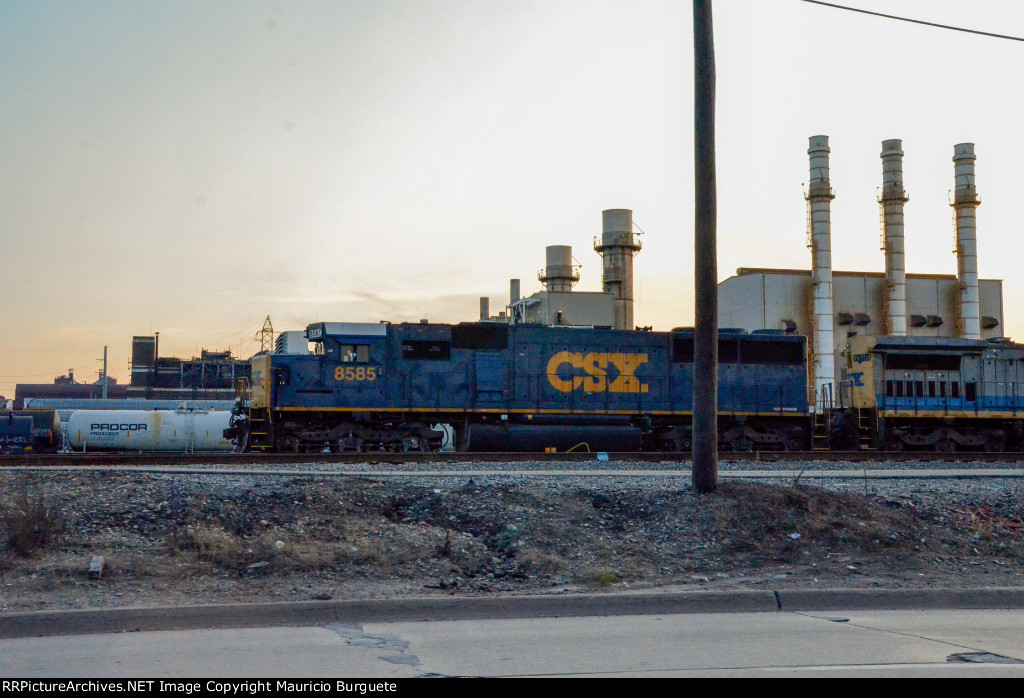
<point x="148" y="430"/>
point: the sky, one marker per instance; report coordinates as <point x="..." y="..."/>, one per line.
<point x="191" y="167"/>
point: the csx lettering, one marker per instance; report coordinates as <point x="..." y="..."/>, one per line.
<point x="355" y="373"/>
<point x="118" y="427"/>
<point x="601" y="372"/>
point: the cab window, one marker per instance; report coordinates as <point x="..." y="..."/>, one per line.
<point x="355" y="353"/>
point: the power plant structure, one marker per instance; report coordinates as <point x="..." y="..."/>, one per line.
<point x="831" y="307"/>
<point x="559" y="305"/>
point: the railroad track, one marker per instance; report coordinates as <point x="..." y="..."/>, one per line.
<point x="403" y="458"/>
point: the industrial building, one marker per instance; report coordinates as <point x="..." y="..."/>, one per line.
<point x="211" y="375"/>
<point x="156" y="382"/>
<point x="830" y="307"/>
<point x="558" y="305"/>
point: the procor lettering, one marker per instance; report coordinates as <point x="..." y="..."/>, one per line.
<point x="118" y="427"/>
<point x="602" y="372"/>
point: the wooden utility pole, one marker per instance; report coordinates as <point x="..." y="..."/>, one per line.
<point x="705" y="365"/>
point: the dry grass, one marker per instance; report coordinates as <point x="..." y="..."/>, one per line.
<point x="781" y="521"/>
<point x="30" y="522"/>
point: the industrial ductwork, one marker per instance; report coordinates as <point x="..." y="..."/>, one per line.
<point x="965" y="204"/>
<point x="892" y="200"/>
<point x="819" y="201"/>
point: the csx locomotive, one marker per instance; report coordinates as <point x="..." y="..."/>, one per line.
<point x="930" y="393"/>
<point x="373" y="387"/>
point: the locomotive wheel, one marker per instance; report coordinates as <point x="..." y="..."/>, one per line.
<point x="893" y="443"/>
<point x="288" y="443"/>
<point x="995" y="445"/>
<point x="946" y="445"/>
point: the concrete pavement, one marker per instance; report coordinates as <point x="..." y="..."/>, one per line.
<point x="958" y="643"/>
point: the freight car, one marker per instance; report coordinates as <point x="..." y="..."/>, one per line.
<point x="372" y="387"/>
<point x="931" y="393"/>
<point x="15" y="433"/>
<point x="45" y="429"/>
<point x="186" y="431"/>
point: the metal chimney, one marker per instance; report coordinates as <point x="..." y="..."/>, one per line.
<point x="559" y="274"/>
<point x="617" y="247"/>
<point x="965" y="203"/>
<point x="892" y="200"/>
<point x="819" y="201"/>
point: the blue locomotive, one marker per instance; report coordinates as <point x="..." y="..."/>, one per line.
<point x="931" y="393"/>
<point x="374" y="387"/>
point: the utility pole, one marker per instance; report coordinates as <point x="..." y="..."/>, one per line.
<point x="705" y="365"/>
<point x="104" y="372"/>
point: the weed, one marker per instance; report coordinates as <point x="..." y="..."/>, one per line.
<point x="29" y="522"/>
<point x="445" y="547"/>
<point x="210" y="543"/>
<point x="605" y="578"/>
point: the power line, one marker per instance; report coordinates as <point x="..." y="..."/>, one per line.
<point x="51" y="373"/>
<point x="914" y="21"/>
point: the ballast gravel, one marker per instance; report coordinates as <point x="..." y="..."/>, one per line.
<point x="370" y="530"/>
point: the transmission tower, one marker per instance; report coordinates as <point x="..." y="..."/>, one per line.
<point x="266" y="337"/>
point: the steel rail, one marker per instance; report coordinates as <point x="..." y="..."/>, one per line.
<point x="403" y="458"/>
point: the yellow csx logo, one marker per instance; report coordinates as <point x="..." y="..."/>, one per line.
<point x="595" y="377"/>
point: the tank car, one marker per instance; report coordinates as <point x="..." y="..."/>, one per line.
<point x="148" y="430"/>
<point x="371" y="387"/>
<point x="932" y="393"/>
<point x="45" y="432"/>
<point x="15" y="433"/>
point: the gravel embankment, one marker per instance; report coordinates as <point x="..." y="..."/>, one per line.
<point x="203" y="538"/>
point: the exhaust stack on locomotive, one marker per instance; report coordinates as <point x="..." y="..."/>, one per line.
<point x="965" y="203"/>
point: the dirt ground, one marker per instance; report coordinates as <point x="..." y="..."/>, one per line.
<point x="192" y="539"/>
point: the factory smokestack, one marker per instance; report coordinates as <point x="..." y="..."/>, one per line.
<point x="819" y="201"/>
<point x="559" y="274"/>
<point x="892" y="200"/>
<point x="513" y="291"/>
<point x="617" y="247"/>
<point x="965" y="204"/>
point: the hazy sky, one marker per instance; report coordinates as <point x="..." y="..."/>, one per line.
<point x="190" y="167"/>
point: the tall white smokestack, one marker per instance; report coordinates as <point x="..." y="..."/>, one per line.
<point x="892" y="200"/>
<point x="819" y="198"/>
<point x="560" y="274"/>
<point x="617" y="247"/>
<point x="965" y="203"/>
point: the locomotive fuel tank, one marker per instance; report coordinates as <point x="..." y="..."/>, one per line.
<point x="148" y="430"/>
<point x="528" y="438"/>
